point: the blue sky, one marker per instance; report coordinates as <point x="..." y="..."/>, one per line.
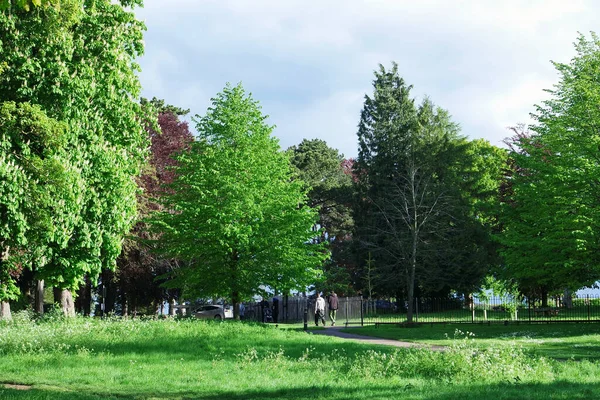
<point x="310" y="63"/>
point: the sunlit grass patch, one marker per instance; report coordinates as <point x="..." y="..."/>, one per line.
<point x="182" y="359"/>
<point x="560" y="341"/>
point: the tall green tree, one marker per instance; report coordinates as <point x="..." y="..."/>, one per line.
<point x="416" y="212"/>
<point x="233" y="211"/>
<point x="399" y="197"/>
<point x="469" y="250"/>
<point x="77" y="63"/>
<point x="552" y="212"/>
<point x="527" y="219"/>
<point x="139" y="274"/>
<point x="38" y="188"/>
<point x="330" y="191"/>
<point x="386" y="118"/>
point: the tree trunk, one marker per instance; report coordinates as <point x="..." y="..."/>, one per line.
<point x="134" y="309"/>
<point x="124" y="304"/>
<point x="83" y="300"/>
<point x="411" y="277"/>
<point x="172" y="306"/>
<point x="109" y="291"/>
<point x="39" y="297"/>
<point x="568" y="298"/>
<point x="235" y="294"/>
<point x="4" y="305"/>
<point x="66" y="303"/>
<point x="25" y="283"/>
<point x="5" y="314"/>
<point x="410" y="299"/>
<point x="235" y="300"/>
<point x="544" y="298"/>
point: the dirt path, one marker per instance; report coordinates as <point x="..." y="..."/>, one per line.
<point x="336" y="331"/>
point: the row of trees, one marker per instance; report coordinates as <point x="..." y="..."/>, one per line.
<point x="94" y="191"/>
<point x="422" y="212"/>
<point x="425" y="211"/>
<point x="71" y="140"/>
<point x="223" y="219"/>
<point x="550" y="207"/>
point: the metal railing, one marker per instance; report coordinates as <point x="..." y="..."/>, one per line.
<point x="356" y="310"/>
<point x="491" y="310"/>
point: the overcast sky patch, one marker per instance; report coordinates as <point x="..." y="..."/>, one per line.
<point x="311" y="63"/>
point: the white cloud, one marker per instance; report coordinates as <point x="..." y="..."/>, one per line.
<point x="310" y="63"/>
<point x="333" y="118"/>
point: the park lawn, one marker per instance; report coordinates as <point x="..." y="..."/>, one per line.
<point x="192" y="359"/>
<point x="556" y="340"/>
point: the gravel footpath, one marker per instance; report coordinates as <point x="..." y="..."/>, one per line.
<point x="336" y="331"/>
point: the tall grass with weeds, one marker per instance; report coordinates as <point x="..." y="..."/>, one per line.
<point x="187" y="358"/>
<point x="460" y="363"/>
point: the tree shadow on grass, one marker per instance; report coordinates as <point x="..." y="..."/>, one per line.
<point x="559" y="390"/>
<point x="564" y="351"/>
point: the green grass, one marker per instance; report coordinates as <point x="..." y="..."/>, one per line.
<point x="193" y="359"/>
<point x="556" y="340"/>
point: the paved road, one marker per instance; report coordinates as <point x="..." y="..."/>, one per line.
<point x="336" y="331"/>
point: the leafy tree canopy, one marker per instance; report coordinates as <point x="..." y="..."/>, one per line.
<point x="77" y="63"/>
<point x="551" y="211"/>
<point x="330" y="192"/>
<point x="233" y="211"/>
<point x="162" y="108"/>
<point x="420" y="215"/>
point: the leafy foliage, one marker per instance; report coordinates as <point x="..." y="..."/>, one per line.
<point x="422" y="195"/>
<point x="162" y="108"/>
<point x="551" y="212"/>
<point x="39" y="187"/>
<point x="233" y="212"/>
<point x="140" y="273"/>
<point x="76" y="62"/>
<point x="330" y="191"/>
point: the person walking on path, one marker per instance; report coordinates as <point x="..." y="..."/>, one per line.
<point x="319" y="310"/>
<point x="333" y="306"/>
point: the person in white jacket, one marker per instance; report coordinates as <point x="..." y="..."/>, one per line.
<point x="319" y="310"/>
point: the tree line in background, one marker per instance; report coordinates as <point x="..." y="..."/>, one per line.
<point x="113" y="201"/>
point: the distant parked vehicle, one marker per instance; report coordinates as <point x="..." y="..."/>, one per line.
<point x="213" y="311"/>
<point x="386" y="305"/>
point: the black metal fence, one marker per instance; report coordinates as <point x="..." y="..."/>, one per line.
<point x="288" y="309"/>
<point x="356" y="310"/>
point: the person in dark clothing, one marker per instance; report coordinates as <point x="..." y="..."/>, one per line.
<point x="275" y="309"/>
<point x="333" y="306"/>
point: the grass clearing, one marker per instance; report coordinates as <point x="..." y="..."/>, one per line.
<point x="193" y="359"/>
<point x="554" y="340"/>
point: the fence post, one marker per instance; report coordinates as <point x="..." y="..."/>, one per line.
<point x="305" y="314"/>
<point x="472" y="305"/>
<point x="362" y="319"/>
<point x="529" y="308"/>
<point x="416" y="309"/>
<point x="346" y="311"/>
<point x="588" y="306"/>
